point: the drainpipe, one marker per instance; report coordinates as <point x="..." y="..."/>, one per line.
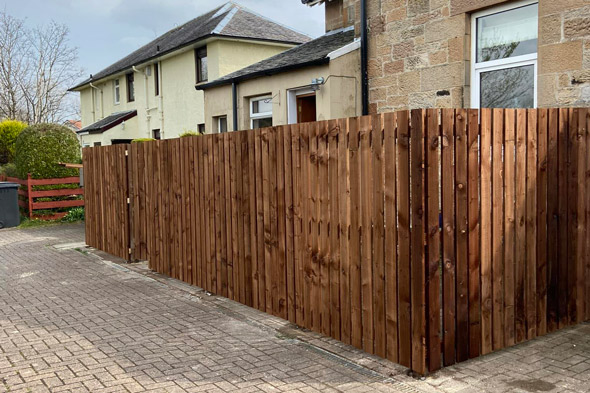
<point x="364" y="58"/>
<point x="147" y="106"/>
<point x="94" y="103"/>
<point x="234" y="92"/>
<point x="161" y="101"/>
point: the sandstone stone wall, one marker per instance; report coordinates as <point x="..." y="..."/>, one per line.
<point x="564" y="53"/>
<point x="419" y="51"/>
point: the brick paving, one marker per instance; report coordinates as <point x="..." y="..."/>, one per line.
<point x="72" y="320"/>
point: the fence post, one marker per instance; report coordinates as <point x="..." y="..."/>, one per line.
<point x="29" y="197"/>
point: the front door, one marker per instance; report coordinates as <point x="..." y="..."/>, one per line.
<point x="306" y="110"/>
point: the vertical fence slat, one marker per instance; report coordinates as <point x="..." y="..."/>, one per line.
<point x="510" y="223"/>
<point x="391" y="273"/>
<point x="403" y="212"/>
<point x="541" y="189"/>
<point x="355" y="206"/>
<point x="552" y="220"/>
<point x="486" y="231"/>
<point x="324" y="240"/>
<point x="334" y="228"/>
<point x="448" y="236"/>
<point x="562" y="259"/>
<point x="581" y="217"/>
<point x="497" y="230"/>
<point x="433" y="239"/>
<point x="531" y="225"/>
<point x="344" y="228"/>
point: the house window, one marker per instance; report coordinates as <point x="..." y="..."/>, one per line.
<point x="156" y="134"/>
<point x="117" y="91"/>
<point x="130" y="88"/>
<point x="221" y="123"/>
<point x="504" y="56"/>
<point x="201" y="60"/>
<point x="157" y="78"/>
<point x="97" y="144"/>
<point x="261" y="112"/>
<point x="201" y="129"/>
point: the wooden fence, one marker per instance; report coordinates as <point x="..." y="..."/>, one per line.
<point x="29" y="195"/>
<point x="426" y="237"/>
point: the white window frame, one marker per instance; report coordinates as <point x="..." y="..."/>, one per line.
<point x="478" y="68"/>
<point x="117" y="87"/>
<point x="263" y="115"/>
<point x="218" y="123"/>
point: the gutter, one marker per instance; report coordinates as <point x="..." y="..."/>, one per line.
<point x="364" y="58"/>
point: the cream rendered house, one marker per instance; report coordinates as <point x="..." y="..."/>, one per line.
<point x="151" y="92"/>
<point x="318" y="80"/>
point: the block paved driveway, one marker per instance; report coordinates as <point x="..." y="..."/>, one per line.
<point x="71" y="320"/>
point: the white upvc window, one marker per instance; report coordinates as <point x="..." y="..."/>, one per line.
<point x="117" y="91"/>
<point x="504" y="56"/>
<point x="261" y="112"/>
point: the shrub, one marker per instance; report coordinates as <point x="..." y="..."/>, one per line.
<point x="142" y="140"/>
<point x="41" y="147"/>
<point x="189" y="133"/>
<point x="74" y="215"/>
<point x="8" y="170"/>
<point x="9" y="131"/>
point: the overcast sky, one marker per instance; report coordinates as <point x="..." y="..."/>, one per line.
<point x="106" y="30"/>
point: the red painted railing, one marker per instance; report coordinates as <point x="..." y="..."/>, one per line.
<point x="28" y="202"/>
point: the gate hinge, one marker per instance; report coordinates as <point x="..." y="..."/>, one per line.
<point x="126" y="153"/>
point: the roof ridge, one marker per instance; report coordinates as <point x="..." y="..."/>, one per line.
<point x="246" y="9"/>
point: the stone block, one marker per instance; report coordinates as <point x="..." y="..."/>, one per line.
<point x="463" y="6"/>
<point x="422" y="100"/>
<point x="416" y="62"/>
<point x="416" y="7"/>
<point x="549" y="29"/>
<point x="549" y="7"/>
<point x="442" y="77"/>
<point x="409" y="82"/>
<point x="576" y="28"/>
<point x="445" y="29"/>
<point x="546" y="90"/>
<point x="457" y="50"/>
<point x="393" y="67"/>
<point x="438" y="58"/>
<point x="561" y="57"/>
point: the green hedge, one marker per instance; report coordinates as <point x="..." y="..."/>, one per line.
<point x="9" y="131"/>
<point x="141" y="140"/>
<point x="40" y="148"/>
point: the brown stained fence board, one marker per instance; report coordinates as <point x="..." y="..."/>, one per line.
<point x="280" y="243"/>
<point x="486" y="230"/>
<point x="573" y="246"/>
<point x="448" y="235"/>
<point x="531" y="225"/>
<point x="390" y="213"/>
<point x="510" y="225"/>
<point x="298" y="251"/>
<point x="201" y="211"/>
<point x="497" y="230"/>
<point x="552" y="221"/>
<point x="344" y="231"/>
<point x="520" y="261"/>
<point x="580" y="237"/>
<point x="366" y="235"/>
<point x="225" y="213"/>
<point x="289" y="227"/>
<point x="218" y="169"/>
<point x="252" y="209"/>
<point x="246" y="195"/>
<point x="333" y="227"/>
<point x="232" y="251"/>
<point x="461" y="234"/>
<point x="355" y="240"/>
<point x="417" y="240"/>
<point x="266" y="196"/>
<point x="403" y="212"/>
<point x="324" y="239"/>
<point x="473" y="215"/>
<point x="305" y="210"/>
<point x="240" y="216"/>
<point x="586" y="299"/>
<point x="562" y="259"/>
<point x="433" y="264"/>
<point x="541" y="190"/>
<point x="313" y="240"/>
<point x="378" y="237"/>
<point x="260" y="244"/>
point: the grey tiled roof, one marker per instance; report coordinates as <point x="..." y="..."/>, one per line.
<point x="311" y="53"/>
<point x="229" y="20"/>
<point x="108" y="122"/>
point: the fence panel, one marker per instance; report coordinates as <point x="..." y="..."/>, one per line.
<point x="427" y="237"/>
